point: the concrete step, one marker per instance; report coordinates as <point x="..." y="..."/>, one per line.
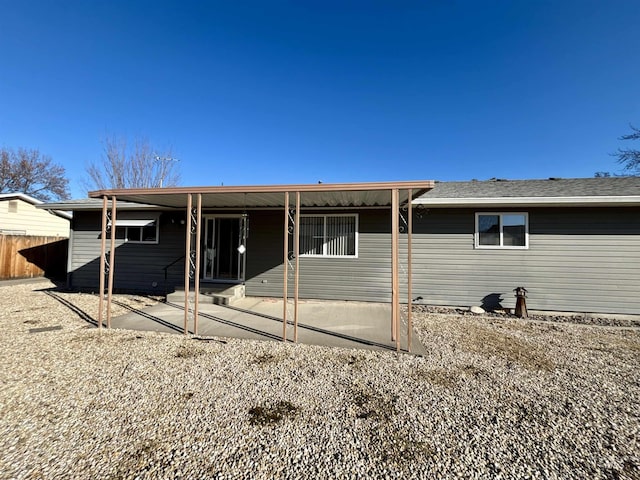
<point x="223" y="294"/>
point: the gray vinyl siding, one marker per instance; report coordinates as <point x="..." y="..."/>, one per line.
<point x="578" y="260"/>
<point x="137" y="266"/>
<point x="366" y="278"/>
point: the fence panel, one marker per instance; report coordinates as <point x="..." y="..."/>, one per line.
<point x="24" y="256"/>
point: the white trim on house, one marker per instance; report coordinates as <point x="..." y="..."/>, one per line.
<point x="595" y="201"/>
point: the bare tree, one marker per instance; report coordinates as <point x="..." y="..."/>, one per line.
<point x="132" y="165"/>
<point x="629" y="158"/>
<point x="30" y="172"/>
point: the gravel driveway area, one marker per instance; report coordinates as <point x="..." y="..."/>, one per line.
<point x="493" y="398"/>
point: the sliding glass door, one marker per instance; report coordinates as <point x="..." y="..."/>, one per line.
<point x="224" y="248"/>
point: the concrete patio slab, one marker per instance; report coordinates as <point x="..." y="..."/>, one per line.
<point x="337" y="324"/>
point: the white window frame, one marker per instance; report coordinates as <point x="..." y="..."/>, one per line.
<point x="324" y="233"/>
<point x="502" y="246"/>
<point x="151" y="219"/>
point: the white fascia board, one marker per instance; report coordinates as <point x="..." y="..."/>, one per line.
<point x="98" y="207"/>
<point x="597" y="201"/>
<point x="60" y="213"/>
<point x="21" y="196"/>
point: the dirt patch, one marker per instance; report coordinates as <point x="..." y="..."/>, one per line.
<point x="187" y="350"/>
<point x="265" y="358"/>
<point x="273" y="413"/>
<point x="439" y="377"/>
<point x="618" y="346"/>
<point x="487" y="341"/>
<point x="372" y="405"/>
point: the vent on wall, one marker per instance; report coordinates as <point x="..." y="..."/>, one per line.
<point x="13" y="206"/>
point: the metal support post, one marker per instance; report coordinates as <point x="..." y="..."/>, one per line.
<point x="395" y="310"/>
<point x="409" y="267"/>
<point x="285" y="265"/>
<point x="187" y="263"/>
<point x="112" y="260"/>
<point x="296" y="252"/>
<point x="197" y="264"/>
<point x="103" y="252"/>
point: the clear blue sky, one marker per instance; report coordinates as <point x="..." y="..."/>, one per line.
<point x="299" y="91"/>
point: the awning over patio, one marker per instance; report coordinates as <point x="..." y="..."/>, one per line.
<point x="265" y="196"/>
<point x="291" y="199"/>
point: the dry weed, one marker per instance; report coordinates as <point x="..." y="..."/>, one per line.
<point x="487" y="341"/>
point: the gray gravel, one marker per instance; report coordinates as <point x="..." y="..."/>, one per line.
<point x="493" y="398"/>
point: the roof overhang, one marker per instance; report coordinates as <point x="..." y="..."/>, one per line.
<point x="36" y="203"/>
<point x="270" y="196"/>
<point x="595" y="201"/>
<point x="96" y="204"/>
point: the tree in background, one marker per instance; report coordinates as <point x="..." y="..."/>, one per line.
<point x="629" y="158"/>
<point x="132" y="165"/>
<point x="30" y="172"/>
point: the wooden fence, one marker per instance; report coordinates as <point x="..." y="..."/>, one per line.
<point x="23" y="256"/>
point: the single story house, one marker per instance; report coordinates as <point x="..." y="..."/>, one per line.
<point x="574" y="244"/>
<point x="19" y="216"/>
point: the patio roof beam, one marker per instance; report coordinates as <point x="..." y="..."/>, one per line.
<point x="320" y="187"/>
<point x="351" y="195"/>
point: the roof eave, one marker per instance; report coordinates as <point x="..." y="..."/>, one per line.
<point x="94" y="206"/>
<point x="595" y="201"/>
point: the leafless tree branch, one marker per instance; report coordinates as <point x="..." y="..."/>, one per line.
<point x="131" y="165"/>
<point x="28" y="171"/>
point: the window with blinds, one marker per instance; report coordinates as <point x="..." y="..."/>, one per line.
<point x="328" y="235"/>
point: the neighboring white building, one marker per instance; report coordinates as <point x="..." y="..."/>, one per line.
<point x="19" y="216"/>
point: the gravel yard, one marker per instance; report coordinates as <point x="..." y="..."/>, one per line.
<point x="493" y="398"/>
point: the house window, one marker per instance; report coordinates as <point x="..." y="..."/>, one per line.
<point x="137" y="231"/>
<point x="13" y="206"/>
<point x="502" y="230"/>
<point x="329" y="235"/>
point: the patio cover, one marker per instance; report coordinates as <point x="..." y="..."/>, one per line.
<point x="346" y="195"/>
<point x="270" y="196"/>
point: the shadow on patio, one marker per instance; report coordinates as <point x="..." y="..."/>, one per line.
<point x="336" y="324"/>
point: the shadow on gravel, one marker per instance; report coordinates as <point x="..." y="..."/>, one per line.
<point x="51" y="292"/>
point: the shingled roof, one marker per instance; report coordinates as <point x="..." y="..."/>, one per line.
<point x="602" y="190"/>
